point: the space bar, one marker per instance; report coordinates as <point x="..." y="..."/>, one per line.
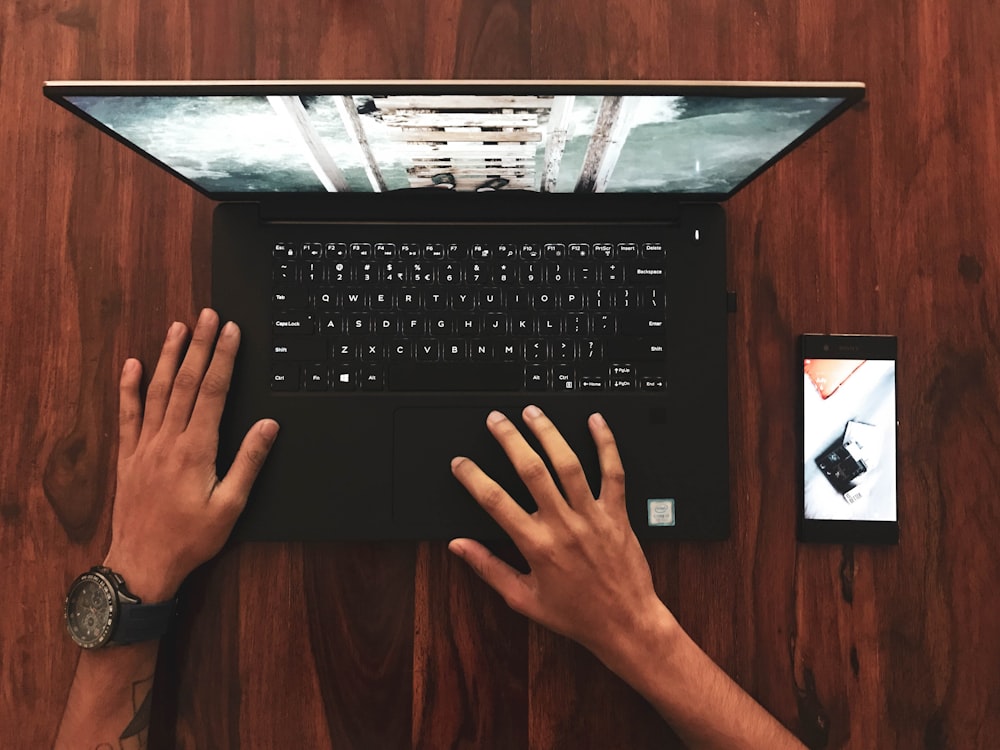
<point x="463" y="376"/>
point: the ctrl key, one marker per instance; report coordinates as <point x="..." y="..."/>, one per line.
<point x="285" y="378"/>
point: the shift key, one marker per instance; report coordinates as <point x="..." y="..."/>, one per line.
<point x="302" y="350"/>
<point x="639" y="349"/>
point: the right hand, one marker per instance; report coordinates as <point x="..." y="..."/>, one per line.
<point x="589" y="579"/>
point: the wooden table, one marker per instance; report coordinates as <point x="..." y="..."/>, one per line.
<point x="887" y="222"/>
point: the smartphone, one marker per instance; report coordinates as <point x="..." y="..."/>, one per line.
<point x="848" y="439"/>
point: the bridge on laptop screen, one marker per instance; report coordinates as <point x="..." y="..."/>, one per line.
<point x="473" y="143"/>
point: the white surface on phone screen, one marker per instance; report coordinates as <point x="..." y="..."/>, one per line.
<point x="867" y="396"/>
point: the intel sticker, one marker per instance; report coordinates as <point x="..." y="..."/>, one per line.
<point x="660" y="511"/>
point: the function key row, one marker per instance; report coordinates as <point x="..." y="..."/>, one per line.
<point x="459" y="251"/>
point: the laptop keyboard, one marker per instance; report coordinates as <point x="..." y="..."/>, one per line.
<point x="439" y="316"/>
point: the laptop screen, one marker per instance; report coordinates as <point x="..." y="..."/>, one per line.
<point x="238" y="139"/>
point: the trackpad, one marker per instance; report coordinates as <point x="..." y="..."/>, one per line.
<point x="425" y="494"/>
<point x="427" y="497"/>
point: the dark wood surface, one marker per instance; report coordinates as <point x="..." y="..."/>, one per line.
<point x="887" y="223"/>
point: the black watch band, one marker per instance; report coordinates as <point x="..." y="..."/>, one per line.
<point x="143" y="622"/>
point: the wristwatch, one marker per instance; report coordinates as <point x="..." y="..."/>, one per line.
<point x="100" y="611"/>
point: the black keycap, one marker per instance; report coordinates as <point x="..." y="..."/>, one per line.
<point x="293" y="322"/>
<point x="645" y="273"/>
<point x="536" y="378"/>
<point x="290" y="297"/>
<point x="641" y="323"/>
<point x="462" y="376"/>
<point x="629" y="349"/>
<point x="311" y="348"/>
<point x="315" y="378"/>
<point x="285" y="377"/>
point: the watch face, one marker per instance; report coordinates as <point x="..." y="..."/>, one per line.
<point x="91" y="610"/>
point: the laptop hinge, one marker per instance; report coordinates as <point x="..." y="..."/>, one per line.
<point x="436" y="205"/>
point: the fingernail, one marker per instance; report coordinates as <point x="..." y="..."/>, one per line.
<point x="229" y="329"/>
<point x="456" y="548"/>
<point x="532" y="412"/>
<point x="175" y="329"/>
<point x="598" y="420"/>
<point x="269" y="429"/>
<point x="456" y="461"/>
<point x="204" y="314"/>
<point x="129" y="367"/>
<point x="495" y="417"/>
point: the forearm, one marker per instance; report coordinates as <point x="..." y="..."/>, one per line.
<point x="110" y="698"/>
<point x="700" y="701"/>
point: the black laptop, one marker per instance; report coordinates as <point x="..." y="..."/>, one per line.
<point x="403" y="257"/>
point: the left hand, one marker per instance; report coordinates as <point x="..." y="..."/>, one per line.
<point x="171" y="511"/>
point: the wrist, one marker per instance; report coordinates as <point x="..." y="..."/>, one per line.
<point x="150" y="585"/>
<point x="654" y="635"/>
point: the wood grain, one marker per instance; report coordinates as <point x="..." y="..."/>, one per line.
<point x="884" y="223"/>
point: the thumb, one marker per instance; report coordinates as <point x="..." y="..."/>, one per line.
<point x="511" y="584"/>
<point x="235" y="486"/>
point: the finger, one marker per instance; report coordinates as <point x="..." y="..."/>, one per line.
<point x="215" y="385"/>
<point x="564" y="461"/>
<point x="234" y="488"/>
<point x="512" y="585"/>
<point x="612" y="471"/>
<point x="493" y="499"/>
<point x="528" y="464"/>
<point x="129" y="408"/>
<point x="192" y="370"/>
<point x="158" y="393"/>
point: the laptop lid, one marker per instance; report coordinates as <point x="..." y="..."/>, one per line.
<point x="255" y="140"/>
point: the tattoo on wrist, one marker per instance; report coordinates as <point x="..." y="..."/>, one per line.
<point x="134" y="735"/>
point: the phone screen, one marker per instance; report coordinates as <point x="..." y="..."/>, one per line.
<point x="848" y="439"/>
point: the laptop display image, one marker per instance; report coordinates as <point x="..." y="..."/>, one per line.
<point x="404" y="257"/>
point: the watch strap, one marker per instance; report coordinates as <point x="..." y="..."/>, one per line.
<point x="143" y="622"/>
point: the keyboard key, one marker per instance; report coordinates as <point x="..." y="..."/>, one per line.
<point x="563" y="378"/>
<point x="428" y="350"/>
<point x="293" y="322"/>
<point x="285" y="271"/>
<point x="372" y="378"/>
<point x="344" y="378"/>
<point x="646" y="273"/>
<point x="536" y="378"/>
<point x="400" y="349"/>
<point x="285" y="377"/>
<point x="651" y="378"/>
<point x="315" y="378"/>
<point x="590" y="380"/>
<point x="462" y="376"/>
<point x="641" y="323"/>
<point x="481" y="350"/>
<point x="311" y="348"/>
<point x="628" y="349"/>
<point x="290" y="297"/>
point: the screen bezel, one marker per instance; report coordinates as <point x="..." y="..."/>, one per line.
<point x="844" y="346"/>
<point x="850" y="92"/>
